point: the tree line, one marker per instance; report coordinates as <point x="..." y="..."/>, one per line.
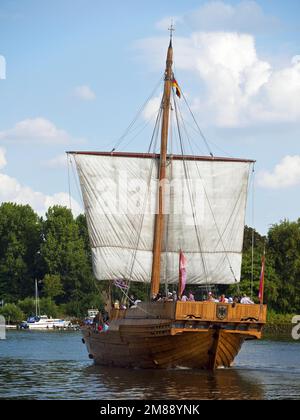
<point x="55" y="251"/>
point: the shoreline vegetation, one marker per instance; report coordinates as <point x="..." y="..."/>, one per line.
<point x="55" y="251"/>
<point x="278" y="325"/>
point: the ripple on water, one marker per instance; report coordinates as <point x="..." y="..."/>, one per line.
<point x="55" y="366"/>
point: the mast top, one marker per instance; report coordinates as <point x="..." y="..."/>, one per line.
<point x="171" y="29"/>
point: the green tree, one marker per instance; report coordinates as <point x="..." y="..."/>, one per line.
<point x="48" y="307"/>
<point x="28" y="306"/>
<point x="12" y="313"/>
<point x="284" y="245"/>
<point x="272" y="280"/>
<point x="83" y="233"/>
<point x="52" y="286"/>
<point x="20" y="234"/>
<point x="65" y="254"/>
<point x="271" y="277"/>
<point x="251" y="235"/>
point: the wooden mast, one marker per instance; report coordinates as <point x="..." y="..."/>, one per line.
<point x="159" y="218"/>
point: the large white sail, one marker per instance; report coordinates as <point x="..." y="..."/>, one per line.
<point x="205" y="214"/>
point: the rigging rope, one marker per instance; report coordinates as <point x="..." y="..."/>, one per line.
<point x="197" y="125"/>
<point x="69" y="182"/>
<point x="154" y="137"/>
<point x="207" y="198"/>
<point x="190" y="195"/>
<point x="140" y="110"/>
<point x="76" y="183"/>
<point x="252" y="236"/>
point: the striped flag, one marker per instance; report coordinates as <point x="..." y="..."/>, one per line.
<point x="182" y="273"/>
<point x="121" y="284"/>
<point x="176" y="86"/>
<point x="262" y="280"/>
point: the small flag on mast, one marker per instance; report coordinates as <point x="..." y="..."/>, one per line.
<point x="262" y="280"/>
<point x="182" y="274"/>
<point x="176" y="86"/>
<point x="121" y="284"/>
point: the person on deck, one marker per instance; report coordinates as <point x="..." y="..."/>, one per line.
<point x="184" y="298"/>
<point x="211" y="297"/>
<point x="159" y="297"/>
<point x="191" y="297"/>
<point x="223" y="299"/>
<point x="246" y="300"/>
<point x="169" y="297"/>
<point x="131" y="300"/>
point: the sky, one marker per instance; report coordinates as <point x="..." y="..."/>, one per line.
<point x="74" y="73"/>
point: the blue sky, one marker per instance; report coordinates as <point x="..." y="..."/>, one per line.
<point x="77" y="71"/>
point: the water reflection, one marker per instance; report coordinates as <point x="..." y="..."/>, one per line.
<point x="68" y="380"/>
<point x="175" y="384"/>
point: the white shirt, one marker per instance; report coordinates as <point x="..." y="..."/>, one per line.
<point x="246" y="301"/>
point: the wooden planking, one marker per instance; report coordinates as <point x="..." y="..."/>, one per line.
<point x="149" y="337"/>
<point x="186" y="349"/>
<point x="152" y="310"/>
<point x="208" y="311"/>
<point x="230" y="345"/>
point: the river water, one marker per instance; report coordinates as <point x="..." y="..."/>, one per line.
<point x="54" y="365"/>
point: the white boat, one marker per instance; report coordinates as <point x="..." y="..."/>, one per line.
<point x="40" y="322"/>
<point x="43" y="322"/>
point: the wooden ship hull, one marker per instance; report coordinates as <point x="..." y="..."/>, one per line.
<point x="201" y="335"/>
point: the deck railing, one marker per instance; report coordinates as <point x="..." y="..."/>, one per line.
<point x="219" y="312"/>
<point x="198" y="311"/>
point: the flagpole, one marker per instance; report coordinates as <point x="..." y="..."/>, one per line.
<point x="180" y="277"/>
<point x="262" y="278"/>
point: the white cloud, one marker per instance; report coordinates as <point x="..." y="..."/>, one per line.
<point x="62" y="199"/>
<point x="246" y="16"/>
<point x="2" y="158"/>
<point x="38" y="131"/>
<point x="151" y="109"/>
<point x="233" y="86"/>
<point x="280" y="96"/>
<point x="2" y="67"/>
<point x="12" y="190"/>
<point x="285" y="174"/>
<point x="59" y="161"/>
<point x="85" y="93"/>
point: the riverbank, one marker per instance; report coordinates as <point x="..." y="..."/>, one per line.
<point x="282" y="330"/>
<point x="279" y="324"/>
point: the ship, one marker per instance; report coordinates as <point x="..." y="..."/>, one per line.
<point x="172" y="222"/>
